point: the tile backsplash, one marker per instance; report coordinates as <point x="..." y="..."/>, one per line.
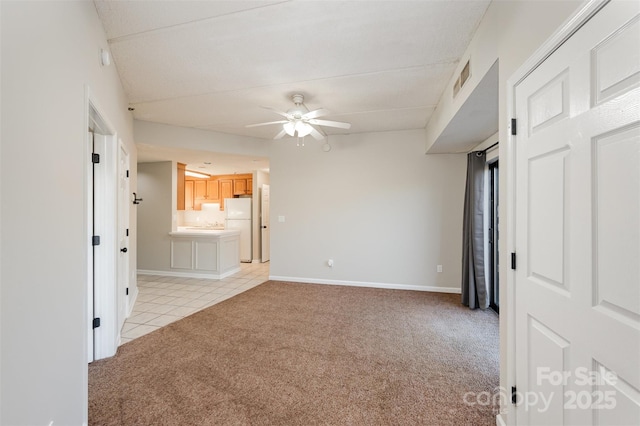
<point x="208" y="216"/>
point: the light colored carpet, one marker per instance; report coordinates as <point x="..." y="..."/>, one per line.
<point x="305" y="354"/>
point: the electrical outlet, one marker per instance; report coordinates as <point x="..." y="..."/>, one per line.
<point x="439" y="268"/>
<point x="281" y="219"/>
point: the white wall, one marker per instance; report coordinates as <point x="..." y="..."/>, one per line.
<point x="510" y="31"/>
<point x="344" y="204"/>
<point x="382" y="210"/>
<point x="155" y="215"/>
<point x="50" y="52"/>
<point x="163" y="135"/>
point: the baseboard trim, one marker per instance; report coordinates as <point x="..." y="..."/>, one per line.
<point x="367" y="284"/>
<point x="189" y="274"/>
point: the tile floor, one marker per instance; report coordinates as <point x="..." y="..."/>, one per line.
<point x="163" y="300"/>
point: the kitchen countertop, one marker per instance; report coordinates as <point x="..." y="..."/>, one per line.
<point x="196" y="231"/>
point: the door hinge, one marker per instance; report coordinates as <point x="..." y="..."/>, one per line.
<point x="95" y="240"/>
<point x="514" y="128"/>
<point x="126" y="293"/>
<point x="127" y="173"/>
<point x="514" y="395"/>
<point x="513" y="260"/>
<point x="95" y="158"/>
<point x="96" y="322"/>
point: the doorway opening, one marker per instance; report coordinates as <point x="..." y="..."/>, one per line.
<point x="494" y="253"/>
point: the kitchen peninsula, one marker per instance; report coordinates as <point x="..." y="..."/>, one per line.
<point x="204" y="253"/>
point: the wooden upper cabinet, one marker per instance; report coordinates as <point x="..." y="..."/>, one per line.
<point x="188" y="195"/>
<point x="213" y="190"/>
<point x="239" y="186"/>
<point x="226" y="190"/>
<point x="195" y="191"/>
<point x="243" y="185"/>
<point x="200" y="189"/>
<point x="181" y="188"/>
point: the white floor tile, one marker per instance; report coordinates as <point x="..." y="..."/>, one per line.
<point x="196" y="303"/>
<point x="163" y="320"/>
<point x="139" y="331"/>
<point x="179" y="301"/>
<point x="141" y="318"/>
<point x="182" y="311"/>
<point x="159" y="309"/>
<point x="164" y="299"/>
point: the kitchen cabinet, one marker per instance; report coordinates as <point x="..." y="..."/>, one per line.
<point x="239" y="186"/>
<point x="199" y="193"/>
<point x="226" y="190"/>
<point x="188" y="195"/>
<point x="243" y="186"/>
<point x="205" y="254"/>
<point x="213" y="190"/>
<point x="180" y="198"/>
<point x="200" y="189"/>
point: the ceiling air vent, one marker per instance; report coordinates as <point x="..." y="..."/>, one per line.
<point x="462" y="79"/>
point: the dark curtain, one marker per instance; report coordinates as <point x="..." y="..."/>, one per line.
<point x="475" y="293"/>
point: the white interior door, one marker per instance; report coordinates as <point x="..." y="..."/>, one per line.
<point x="577" y="213"/>
<point x="264" y="223"/>
<point x="123" y="234"/>
<point x="105" y="332"/>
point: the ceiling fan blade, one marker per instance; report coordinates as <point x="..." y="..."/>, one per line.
<point x="316" y="113"/>
<point x="329" y="123"/>
<point x="316" y="134"/>
<point x="266" y="124"/>
<point x="284" y="114"/>
<point x="280" y="135"/>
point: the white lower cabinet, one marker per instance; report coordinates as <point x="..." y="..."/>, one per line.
<point x="205" y="255"/>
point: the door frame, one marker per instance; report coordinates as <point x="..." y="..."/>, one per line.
<point x="123" y="266"/>
<point x="508" y="291"/>
<point x="105" y="342"/>
<point x="264" y="258"/>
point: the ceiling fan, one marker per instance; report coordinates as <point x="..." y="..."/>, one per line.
<point x="300" y="121"/>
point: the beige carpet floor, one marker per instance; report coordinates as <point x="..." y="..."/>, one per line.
<point x="305" y="354"/>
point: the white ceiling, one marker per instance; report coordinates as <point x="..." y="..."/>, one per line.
<point x="380" y="65"/>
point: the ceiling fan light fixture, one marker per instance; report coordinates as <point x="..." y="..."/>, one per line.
<point x="299" y="121"/>
<point x="289" y="128"/>
<point x="303" y="129"/>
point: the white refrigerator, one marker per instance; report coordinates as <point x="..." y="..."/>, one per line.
<point x="238" y="216"/>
